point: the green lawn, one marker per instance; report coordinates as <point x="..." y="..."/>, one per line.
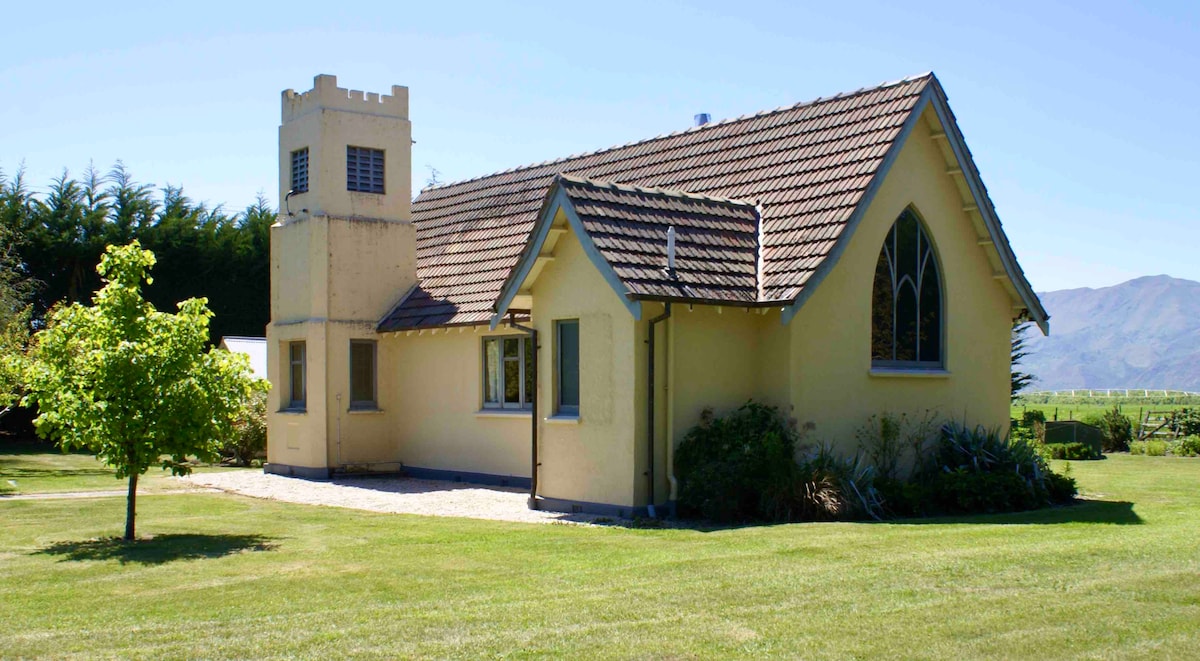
<point x="29" y="468"/>
<point x="1080" y="408"/>
<point x="226" y="577"/>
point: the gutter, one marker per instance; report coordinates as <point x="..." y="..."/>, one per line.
<point x="721" y="302"/>
<point x="533" y="431"/>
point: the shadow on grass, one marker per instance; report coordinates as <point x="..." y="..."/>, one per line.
<point x="19" y="447"/>
<point x="159" y="549"/>
<point x="9" y="472"/>
<point x="1104" y="512"/>
<point x="1108" y="512"/>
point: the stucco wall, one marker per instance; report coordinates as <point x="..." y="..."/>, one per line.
<point x="435" y="406"/>
<point x="592" y="461"/>
<point x="709" y="359"/>
<point x="830" y="365"/>
<point x="295" y="438"/>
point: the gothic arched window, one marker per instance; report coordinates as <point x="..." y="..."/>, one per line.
<point x="906" y="305"/>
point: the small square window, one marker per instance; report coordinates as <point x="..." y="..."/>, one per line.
<point x="300" y="171"/>
<point x="362" y="374"/>
<point x="364" y="170"/>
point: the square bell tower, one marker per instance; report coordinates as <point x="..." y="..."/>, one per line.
<point x="342" y="253"/>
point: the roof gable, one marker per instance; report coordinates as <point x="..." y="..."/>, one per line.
<point x="808" y="169"/>
<point x="624" y="229"/>
<point x="716" y="239"/>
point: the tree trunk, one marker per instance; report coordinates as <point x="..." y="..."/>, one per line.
<point x="130" y="507"/>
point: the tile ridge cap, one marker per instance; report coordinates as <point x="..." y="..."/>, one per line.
<point x="655" y="190"/>
<point x="690" y="129"/>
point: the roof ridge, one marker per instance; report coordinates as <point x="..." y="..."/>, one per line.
<point x="654" y="190"/>
<point x="690" y="129"/>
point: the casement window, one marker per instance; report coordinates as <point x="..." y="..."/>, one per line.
<point x="300" y="171"/>
<point x="364" y="170"/>
<point x="296" y="375"/>
<point x="906" y="305"/>
<point x="508" y="373"/>
<point x="362" y="374"/>
<point x="566" y="364"/>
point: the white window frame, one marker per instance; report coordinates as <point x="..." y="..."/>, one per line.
<point x="525" y="401"/>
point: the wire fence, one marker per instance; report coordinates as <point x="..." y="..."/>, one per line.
<point x="1111" y="392"/>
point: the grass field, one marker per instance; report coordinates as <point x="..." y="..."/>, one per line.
<point x="1080" y="408"/>
<point x="29" y="468"/>
<point x="224" y="576"/>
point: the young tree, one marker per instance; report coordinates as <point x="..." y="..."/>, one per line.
<point x="1020" y="380"/>
<point x="132" y="384"/>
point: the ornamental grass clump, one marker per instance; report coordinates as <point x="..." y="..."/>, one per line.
<point x="979" y="470"/>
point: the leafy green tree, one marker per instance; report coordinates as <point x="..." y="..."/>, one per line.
<point x="203" y="251"/>
<point x="1117" y="429"/>
<point x="1020" y="380"/>
<point x="15" y="288"/>
<point x="132" y="384"/>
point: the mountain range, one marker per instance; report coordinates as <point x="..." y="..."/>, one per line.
<point x="1144" y="333"/>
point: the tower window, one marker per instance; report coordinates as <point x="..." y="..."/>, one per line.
<point x="364" y="170"/>
<point x="362" y="374"/>
<point x="296" y="365"/>
<point x="300" y="171"/>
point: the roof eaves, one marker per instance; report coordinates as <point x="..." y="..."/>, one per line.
<point x="379" y="327"/>
<point x="983" y="202"/>
<point x="556" y="199"/>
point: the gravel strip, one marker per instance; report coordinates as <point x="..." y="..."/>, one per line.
<point x="395" y="495"/>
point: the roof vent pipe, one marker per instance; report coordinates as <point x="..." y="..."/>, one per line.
<point x="702" y="119"/>
<point x="671" y="251"/>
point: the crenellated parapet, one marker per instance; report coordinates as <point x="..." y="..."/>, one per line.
<point x="326" y="94"/>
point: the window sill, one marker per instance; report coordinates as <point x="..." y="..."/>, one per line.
<point x="292" y="411"/>
<point x="372" y="410"/>
<point x="910" y="372"/>
<point x="503" y="413"/>
<point x="560" y="419"/>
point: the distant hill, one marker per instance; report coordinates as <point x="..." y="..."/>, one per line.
<point x="1144" y="333"/>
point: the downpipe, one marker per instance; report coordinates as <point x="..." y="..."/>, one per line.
<point x="533" y="431"/>
<point x="650" y="422"/>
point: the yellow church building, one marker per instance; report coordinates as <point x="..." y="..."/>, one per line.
<point x="560" y="326"/>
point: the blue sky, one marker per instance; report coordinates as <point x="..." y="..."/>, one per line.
<point x="1082" y="116"/>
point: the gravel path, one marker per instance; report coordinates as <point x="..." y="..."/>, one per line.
<point x="396" y="495"/>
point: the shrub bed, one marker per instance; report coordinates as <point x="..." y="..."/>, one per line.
<point x="743" y="467"/>
<point x="1188" y="446"/>
<point x="1073" y="451"/>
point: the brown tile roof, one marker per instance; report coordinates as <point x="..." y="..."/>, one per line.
<point x="805" y="166"/>
<point x="716" y="239"/>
